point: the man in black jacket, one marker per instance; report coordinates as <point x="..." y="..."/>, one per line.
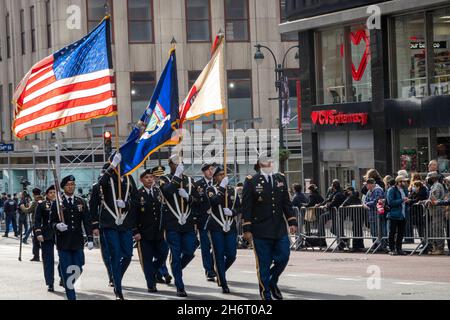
<point x="10" y="209"/>
<point x="117" y="220"/>
<point x="356" y="217"/>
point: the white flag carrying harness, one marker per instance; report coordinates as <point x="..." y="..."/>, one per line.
<point x="118" y="218"/>
<point x="224" y="222"/>
<point x="181" y="216"/>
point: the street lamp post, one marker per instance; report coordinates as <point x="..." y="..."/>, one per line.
<point x="279" y="75"/>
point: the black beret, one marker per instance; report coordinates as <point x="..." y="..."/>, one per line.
<point x="146" y="172"/>
<point x="218" y="170"/>
<point x="206" y="166"/>
<point x="37" y="191"/>
<point x="158" y="171"/>
<point x="52" y="187"/>
<point x="67" y="179"/>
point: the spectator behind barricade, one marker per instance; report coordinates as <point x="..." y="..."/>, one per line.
<point x="446" y="204"/>
<point x="408" y="233"/>
<point x="358" y="220"/>
<point x="433" y="166"/>
<point x="374" y="194"/>
<point x="330" y="193"/>
<point x="330" y="205"/>
<point x="418" y="194"/>
<point x="300" y="199"/>
<point x="436" y="215"/>
<point x="397" y="199"/>
<point x="314" y="196"/>
<point x="375" y="175"/>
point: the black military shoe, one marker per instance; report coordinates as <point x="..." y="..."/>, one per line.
<point x="181" y="293"/>
<point x="35" y="259"/>
<point x="50" y="289"/>
<point x="211" y="277"/>
<point x="225" y="290"/>
<point x="153" y="290"/>
<point x="276" y="293"/>
<point x="168" y="279"/>
<point x="119" y="296"/>
<point x="160" y="279"/>
<point x="111" y="284"/>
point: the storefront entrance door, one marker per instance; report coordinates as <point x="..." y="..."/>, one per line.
<point x="346" y="176"/>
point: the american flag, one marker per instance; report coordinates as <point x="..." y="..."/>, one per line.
<point x="74" y="84"/>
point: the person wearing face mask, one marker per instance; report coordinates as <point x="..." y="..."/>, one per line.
<point x="267" y="211"/>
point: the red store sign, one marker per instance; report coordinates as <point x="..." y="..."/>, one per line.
<point x="332" y="117"/>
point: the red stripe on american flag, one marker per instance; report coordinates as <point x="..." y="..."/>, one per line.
<point x="68" y="89"/>
<point x="67" y="105"/>
<point x="37" y="87"/>
<point x="67" y="120"/>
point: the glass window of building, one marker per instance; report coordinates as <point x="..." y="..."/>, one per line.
<point x="413" y="150"/>
<point x="140" y="21"/>
<point x="240" y="106"/>
<point x="33" y="29"/>
<point x="290" y="36"/>
<point x="198" y="20"/>
<point x="97" y="10"/>
<point x="48" y="24"/>
<point x="236" y="21"/>
<point x="409" y="57"/>
<point x="440" y="82"/>
<point x="8" y="37"/>
<point x="330" y="67"/>
<point x="2" y="114"/>
<point x="344" y="65"/>
<point x="22" y="31"/>
<point x="142" y="87"/>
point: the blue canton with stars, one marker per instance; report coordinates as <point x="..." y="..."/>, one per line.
<point x="90" y="54"/>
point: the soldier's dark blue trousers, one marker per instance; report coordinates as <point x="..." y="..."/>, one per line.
<point x="182" y="248"/>
<point x="207" y="258"/>
<point x="120" y="246"/>
<point x="163" y="271"/>
<point x="152" y="256"/>
<point x="48" y="261"/>
<point x="272" y="257"/>
<point x="225" y="251"/>
<point x="71" y="264"/>
<point x="105" y="256"/>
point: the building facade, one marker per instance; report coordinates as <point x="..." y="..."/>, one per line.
<point x="142" y="33"/>
<point x="375" y="81"/>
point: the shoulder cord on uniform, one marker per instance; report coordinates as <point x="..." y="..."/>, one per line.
<point x="224" y="222"/>
<point x="118" y="220"/>
<point x="181" y="216"/>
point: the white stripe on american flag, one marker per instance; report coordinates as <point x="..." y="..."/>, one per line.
<point x="67" y="97"/>
<point x="40" y="79"/>
<point x="66" y="113"/>
<point x="66" y="82"/>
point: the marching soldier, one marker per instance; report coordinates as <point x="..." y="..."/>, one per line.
<point x="180" y="194"/>
<point x="221" y="226"/>
<point x="202" y="215"/>
<point x="150" y="237"/>
<point x="44" y="233"/>
<point x="117" y="220"/>
<point x="67" y="225"/>
<point x="95" y="204"/>
<point x="266" y="208"/>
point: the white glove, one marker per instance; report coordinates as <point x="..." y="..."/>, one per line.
<point x="116" y="161"/>
<point x="62" y="227"/>
<point x="120" y="204"/>
<point x="179" y="171"/>
<point x="90" y="245"/>
<point x="224" y="182"/>
<point x="183" y="193"/>
<point x="227" y="212"/>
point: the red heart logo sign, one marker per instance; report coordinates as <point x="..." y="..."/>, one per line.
<point x="356" y="38"/>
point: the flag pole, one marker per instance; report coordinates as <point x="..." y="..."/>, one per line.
<point x="119" y="181"/>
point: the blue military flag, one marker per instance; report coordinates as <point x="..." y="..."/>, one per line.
<point x="158" y="124"/>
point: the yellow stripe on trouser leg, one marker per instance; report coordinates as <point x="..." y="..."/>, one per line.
<point x="261" y="285"/>
<point x="214" y="259"/>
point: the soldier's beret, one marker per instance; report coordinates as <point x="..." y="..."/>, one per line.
<point x="146" y="172"/>
<point x="158" y="171"/>
<point x="37" y="191"/>
<point x="206" y="166"/>
<point x="52" y="187"/>
<point x="66" y="180"/>
<point x="218" y="170"/>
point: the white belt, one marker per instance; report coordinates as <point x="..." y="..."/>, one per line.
<point x="119" y="219"/>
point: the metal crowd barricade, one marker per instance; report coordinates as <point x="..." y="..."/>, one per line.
<point x="416" y="227"/>
<point x="316" y="225"/>
<point x="353" y="225"/>
<point x="437" y="225"/>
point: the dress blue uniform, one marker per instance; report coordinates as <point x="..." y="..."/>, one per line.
<point x="266" y="206"/>
<point x="70" y="243"/>
<point x="179" y="226"/>
<point x="43" y="227"/>
<point x="222" y="231"/>
<point x="202" y="215"/>
<point x="151" y="247"/>
<point x="117" y="226"/>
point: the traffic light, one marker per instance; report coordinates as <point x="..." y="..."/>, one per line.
<point x="107" y="137"/>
